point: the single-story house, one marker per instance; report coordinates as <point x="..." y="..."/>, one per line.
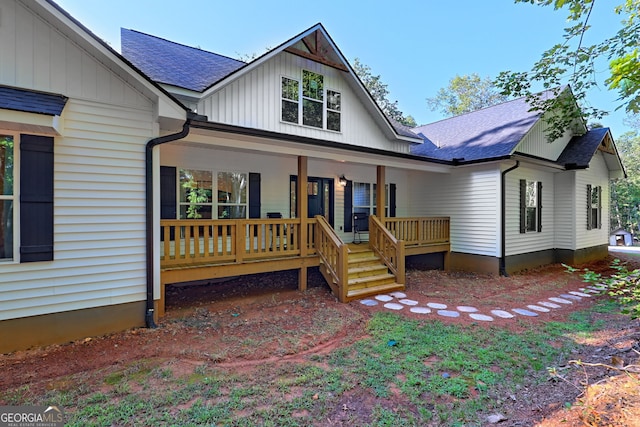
<point x="621" y="237"/>
<point x="126" y="172"/>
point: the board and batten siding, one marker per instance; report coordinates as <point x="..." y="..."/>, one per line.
<point x="99" y="217"/>
<point x="35" y="55"/>
<point x="596" y="175"/>
<point x="470" y="197"/>
<point x="535" y="143"/>
<point x="254" y="101"/>
<point x="533" y="241"/>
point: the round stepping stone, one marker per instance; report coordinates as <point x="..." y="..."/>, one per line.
<point x="408" y="302"/>
<point x="549" y="304"/>
<point x="579" y="294"/>
<point x="538" y="308"/>
<point x="437" y="305"/>
<point x="420" y="310"/>
<point x="560" y="300"/>
<point x="502" y="314"/>
<point x="466" y="309"/>
<point x="369" y="302"/>
<point x="481" y="317"/>
<point x="383" y="298"/>
<point x="448" y="313"/>
<point x="393" y="306"/>
<point x="573" y="297"/>
<point x="524" y="312"/>
<point x="398" y="295"/>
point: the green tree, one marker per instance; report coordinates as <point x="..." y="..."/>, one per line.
<point x="625" y="193"/>
<point x="573" y="62"/>
<point x="380" y="94"/>
<point x="465" y="94"/>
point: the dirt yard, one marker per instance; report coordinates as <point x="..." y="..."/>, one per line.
<point x="282" y="324"/>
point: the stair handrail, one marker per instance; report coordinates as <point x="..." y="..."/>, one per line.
<point x="334" y="254"/>
<point x="390" y="250"/>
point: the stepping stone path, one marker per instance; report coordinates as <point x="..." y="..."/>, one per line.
<point x="503" y="314"/>
<point x="437" y="306"/>
<point x="532" y="310"/>
<point x="393" y="306"/>
<point x="524" y="312"/>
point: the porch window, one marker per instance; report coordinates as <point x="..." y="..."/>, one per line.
<point x="195" y="194"/>
<point x="364" y="198"/>
<point x="594" y="207"/>
<point x="6" y="197"/>
<point x="232" y="195"/>
<point x="530" y="206"/>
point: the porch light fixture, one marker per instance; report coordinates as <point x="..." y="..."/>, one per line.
<point x="342" y="180"/>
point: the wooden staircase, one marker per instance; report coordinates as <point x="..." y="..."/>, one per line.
<point x="368" y="275"/>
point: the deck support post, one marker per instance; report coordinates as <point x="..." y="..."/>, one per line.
<point x="302" y="208"/>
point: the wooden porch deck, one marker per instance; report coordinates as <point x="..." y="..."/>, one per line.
<point x="194" y="250"/>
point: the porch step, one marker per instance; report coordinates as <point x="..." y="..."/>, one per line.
<point x="371" y="281"/>
<point x="363" y="261"/>
<point x="374" y="269"/>
<point x="372" y="291"/>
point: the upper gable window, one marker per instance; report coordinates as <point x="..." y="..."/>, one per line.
<point x="320" y="108"/>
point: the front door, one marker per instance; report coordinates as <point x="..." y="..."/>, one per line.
<point x="319" y="197"/>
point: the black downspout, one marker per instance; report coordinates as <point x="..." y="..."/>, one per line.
<point x="150" y="323"/>
<point x="503" y="203"/>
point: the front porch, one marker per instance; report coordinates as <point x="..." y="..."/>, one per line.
<point x="194" y="250"/>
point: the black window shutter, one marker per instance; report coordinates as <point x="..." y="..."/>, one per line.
<point x="254" y="195"/>
<point x="589" y="212"/>
<point x="348" y="206"/>
<point x="539" y="202"/>
<point x="599" y="207"/>
<point x="392" y="200"/>
<point x="523" y="206"/>
<point x="168" y="198"/>
<point x="36" y="198"/>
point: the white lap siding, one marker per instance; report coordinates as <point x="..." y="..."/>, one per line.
<point x="596" y="175"/>
<point x="99" y="217"/>
<point x="470" y="197"/>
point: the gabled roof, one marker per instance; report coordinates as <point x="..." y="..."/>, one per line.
<point x="31" y="101"/>
<point x="197" y="70"/>
<point x="175" y="64"/>
<point x="581" y="149"/>
<point x="489" y="133"/>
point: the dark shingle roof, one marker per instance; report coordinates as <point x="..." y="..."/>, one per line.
<point x="31" y="101"/>
<point x="489" y="133"/>
<point x="580" y="150"/>
<point x="171" y="63"/>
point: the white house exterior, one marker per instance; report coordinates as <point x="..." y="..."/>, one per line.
<point x="127" y="136"/>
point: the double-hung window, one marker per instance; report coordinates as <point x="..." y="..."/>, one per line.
<point x="7" y="197"/>
<point x="197" y="189"/>
<point x="365" y="198"/>
<point x="530" y="206"/>
<point x="307" y="102"/>
<point x="594" y="207"/>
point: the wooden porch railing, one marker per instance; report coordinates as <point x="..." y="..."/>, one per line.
<point x="334" y="254"/>
<point x="192" y="242"/>
<point x="387" y="247"/>
<point x="421" y="231"/>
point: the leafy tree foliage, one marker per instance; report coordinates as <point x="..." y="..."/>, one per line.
<point x="465" y="94"/>
<point x="625" y="193"/>
<point x="572" y="62"/>
<point x="380" y="94"/>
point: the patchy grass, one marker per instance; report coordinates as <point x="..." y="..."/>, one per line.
<point x="402" y="373"/>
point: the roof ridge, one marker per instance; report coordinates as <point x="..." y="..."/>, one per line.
<point x="183" y="45"/>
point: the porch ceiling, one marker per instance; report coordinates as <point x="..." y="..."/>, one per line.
<point x="202" y="138"/>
